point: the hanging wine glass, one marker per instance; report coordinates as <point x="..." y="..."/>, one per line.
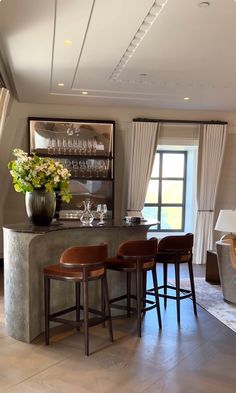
<point x="82" y="168"/>
<point x="75" y="145"/>
<point x="101" y="210"/>
<point x="49" y="147"/>
<point x="75" y="167"/>
<point x="84" y="146"/>
<point x="94" y="146"/>
<point x="70" y="146"/>
<point x="64" y="144"/>
<point x="59" y="145"/>
<point x="89" y="146"/>
<point x="54" y="145"/>
<point x="80" y="146"/>
<point x="89" y="168"/>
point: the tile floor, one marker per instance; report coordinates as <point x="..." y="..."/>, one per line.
<point x="199" y="357"/>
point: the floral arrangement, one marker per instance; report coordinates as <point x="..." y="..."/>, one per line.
<point x="32" y="173"/>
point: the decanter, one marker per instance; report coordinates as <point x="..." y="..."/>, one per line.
<point x="87" y="216"/>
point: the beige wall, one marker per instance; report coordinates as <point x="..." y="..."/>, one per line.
<point x="16" y="135"/>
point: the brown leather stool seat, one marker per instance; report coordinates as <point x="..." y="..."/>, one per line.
<point x="58" y="271"/>
<point x="176" y="250"/>
<point x="117" y="263"/>
<point x="138" y="257"/>
<point x="80" y="265"/>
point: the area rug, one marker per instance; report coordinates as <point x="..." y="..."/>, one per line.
<point x="211" y="299"/>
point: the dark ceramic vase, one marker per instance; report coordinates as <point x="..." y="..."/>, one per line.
<point x="40" y="207"/>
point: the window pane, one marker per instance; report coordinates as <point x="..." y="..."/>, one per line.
<point x="173" y="165"/>
<point x="152" y="192"/>
<point x="155" y="169"/>
<point x="171" y="218"/>
<point x="150" y="213"/>
<point x="172" y="191"/>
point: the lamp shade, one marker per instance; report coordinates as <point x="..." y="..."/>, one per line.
<point x="226" y="221"/>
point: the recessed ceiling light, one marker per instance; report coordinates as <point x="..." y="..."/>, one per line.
<point x="204" y="4"/>
<point x="187" y="98"/>
<point x="84" y="93"/>
<point x="68" y="42"/>
<point x="60" y="84"/>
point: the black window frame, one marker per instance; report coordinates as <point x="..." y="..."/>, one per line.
<point x="159" y="205"/>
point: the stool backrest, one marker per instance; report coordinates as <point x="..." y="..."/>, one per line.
<point x="181" y="242"/>
<point x="84" y="255"/>
<point x="138" y="248"/>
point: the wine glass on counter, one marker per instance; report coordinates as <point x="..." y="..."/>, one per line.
<point x="101" y="210"/>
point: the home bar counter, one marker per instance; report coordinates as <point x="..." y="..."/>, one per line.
<point x="28" y="249"/>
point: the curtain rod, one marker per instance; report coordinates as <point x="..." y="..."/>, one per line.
<point x="140" y="119"/>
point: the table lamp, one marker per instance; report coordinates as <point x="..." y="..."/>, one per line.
<point x="226" y="222"/>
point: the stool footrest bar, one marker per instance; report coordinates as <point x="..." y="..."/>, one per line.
<point x="65" y="311"/>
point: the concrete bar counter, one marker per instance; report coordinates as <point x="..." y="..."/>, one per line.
<point x="27" y="249"/>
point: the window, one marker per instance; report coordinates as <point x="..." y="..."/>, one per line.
<point x="166" y="194"/>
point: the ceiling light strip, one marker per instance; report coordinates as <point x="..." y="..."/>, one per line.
<point x="143" y="29"/>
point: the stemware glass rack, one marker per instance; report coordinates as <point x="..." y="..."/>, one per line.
<point x="86" y="149"/>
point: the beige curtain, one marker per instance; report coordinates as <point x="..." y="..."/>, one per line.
<point x="144" y="137"/>
<point x="4" y="100"/>
<point x="212" y="140"/>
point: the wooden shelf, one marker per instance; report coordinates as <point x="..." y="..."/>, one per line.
<point x="91" y="178"/>
<point x="71" y="156"/>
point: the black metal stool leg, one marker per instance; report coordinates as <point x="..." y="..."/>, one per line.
<point x="77" y="296"/>
<point x="103" y="301"/>
<point x="139" y="295"/>
<point x="155" y="285"/>
<point x="47" y="307"/>
<point x="165" y="272"/>
<point x="144" y="287"/>
<point x="128" y="293"/>
<point x="190" y="268"/>
<point x="85" y="300"/>
<point x="106" y="296"/>
<point x="177" y="284"/>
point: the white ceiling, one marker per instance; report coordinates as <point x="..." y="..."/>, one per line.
<point x="123" y="52"/>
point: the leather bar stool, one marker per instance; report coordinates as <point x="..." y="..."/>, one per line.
<point x="79" y="265"/>
<point x="137" y="257"/>
<point x="176" y="250"/>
